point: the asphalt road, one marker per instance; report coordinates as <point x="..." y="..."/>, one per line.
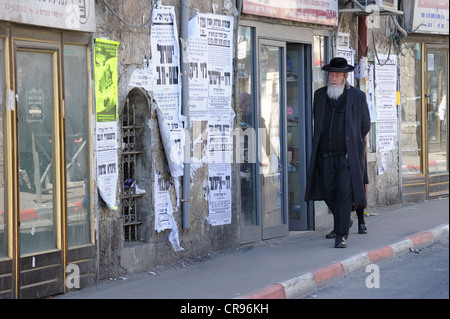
<point x="421" y="274"/>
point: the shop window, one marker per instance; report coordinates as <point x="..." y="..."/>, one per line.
<point x="247" y="122"/>
<point x="77" y="144"/>
<point x="2" y="181"/>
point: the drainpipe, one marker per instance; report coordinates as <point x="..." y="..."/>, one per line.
<point x="362" y="33"/>
<point x="186" y="201"/>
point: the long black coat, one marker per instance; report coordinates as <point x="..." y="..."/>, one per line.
<point x="357" y="125"/>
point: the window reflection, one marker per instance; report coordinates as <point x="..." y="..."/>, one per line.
<point x="411" y="78"/>
<point x="36" y="101"/>
<point x="247" y="121"/>
<point x="3" y="217"/>
<point x="271" y="166"/>
<point x="77" y="144"/>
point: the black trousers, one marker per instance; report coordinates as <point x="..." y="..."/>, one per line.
<point x="336" y="185"/>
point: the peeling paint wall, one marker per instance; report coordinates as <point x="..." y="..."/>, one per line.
<point x="117" y="257"/>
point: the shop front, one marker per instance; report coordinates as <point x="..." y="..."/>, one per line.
<point x="424" y="99"/>
<point x="279" y="67"/>
<point x="46" y="198"/>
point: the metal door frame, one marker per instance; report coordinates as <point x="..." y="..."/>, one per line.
<point x="425" y="94"/>
<point x="85" y="256"/>
<point x="283" y="229"/>
<point x="46" y="258"/>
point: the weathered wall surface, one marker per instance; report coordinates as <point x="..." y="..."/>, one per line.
<point x="117" y="257"/>
<point x="383" y="189"/>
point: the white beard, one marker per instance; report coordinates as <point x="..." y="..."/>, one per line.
<point x="334" y="92"/>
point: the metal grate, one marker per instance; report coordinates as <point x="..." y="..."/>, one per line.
<point x="130" y="217"/>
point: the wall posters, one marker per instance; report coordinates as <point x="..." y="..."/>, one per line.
<point x="311" y="11"/>
<point x="105" y="74"/>
<point x="210" y="48"/>
<point x="167" y="83"/>
<point x="164" y="211"/>
<point x="211" y="62"/>
<point x="386" y="104"/>
<point x="219" y="199"/>
<point x="349" y="55"/>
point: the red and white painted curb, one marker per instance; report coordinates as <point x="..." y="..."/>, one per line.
<point x="32" y="213"/>
<point x="309" y="282"/>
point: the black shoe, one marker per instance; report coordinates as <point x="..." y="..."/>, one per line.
<point x="330" y="235"/>
<point x="340" y="242"/>
<point x="362" y="229"/>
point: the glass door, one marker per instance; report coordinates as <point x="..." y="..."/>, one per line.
<point x="250" y="225"/>
<point x="272" y="131"/>
<point x="297" y="96"/>
<point x="412" y="143"/>
<point x="436" y="104"/>
<point x="40" y="174"/>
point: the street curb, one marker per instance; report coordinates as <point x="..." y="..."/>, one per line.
<point x="307" y="283"/>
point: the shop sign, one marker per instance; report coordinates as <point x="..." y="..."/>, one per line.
<point x="310" y="11"/>
<point x="431" y="16"/>
<point x="76" y="15"/>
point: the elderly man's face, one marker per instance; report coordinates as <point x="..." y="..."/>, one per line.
<point x="336" y="79"/>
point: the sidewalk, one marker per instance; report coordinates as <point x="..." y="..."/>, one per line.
<point x="287" y="267"/>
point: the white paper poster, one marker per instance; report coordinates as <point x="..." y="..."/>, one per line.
<point x="164" y="218"/>
<point x="386" y="101"/>
<point x="349" y="55"/>
<point x="167" y="83"/>
<point x="166" y="63"/>
<point x="219" y="143"/>
<point x="211" y="52"/>
<point x="143" y="77"/>
<point x="210" y="48"/>
<point x="371" y="95"/>
<point x="219" y="194"/>
<point x="198" y="78"/>
<point x="106" y="133"/>
<point x="162" y="203"/>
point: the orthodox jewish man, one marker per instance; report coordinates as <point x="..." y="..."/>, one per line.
<point x="336" y="169"/>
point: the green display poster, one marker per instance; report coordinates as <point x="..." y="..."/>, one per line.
<point x="105" y="73"/>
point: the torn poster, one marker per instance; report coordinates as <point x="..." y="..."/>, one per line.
<point x="173" y="141"/>
<point x="164" y="212"/>
<point x="167" y="84"/>
<point x="210" y="49"/>
<point x="142" y="77"/>
<point x="166" y="64"/>
<point x="106" y="84"/>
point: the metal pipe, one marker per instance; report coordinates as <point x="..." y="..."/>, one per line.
<point x="186" y="201"/>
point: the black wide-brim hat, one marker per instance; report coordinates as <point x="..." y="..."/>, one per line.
<point x="338" y="65"/>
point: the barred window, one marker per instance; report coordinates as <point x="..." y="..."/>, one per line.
<point x="130" y="192"/>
